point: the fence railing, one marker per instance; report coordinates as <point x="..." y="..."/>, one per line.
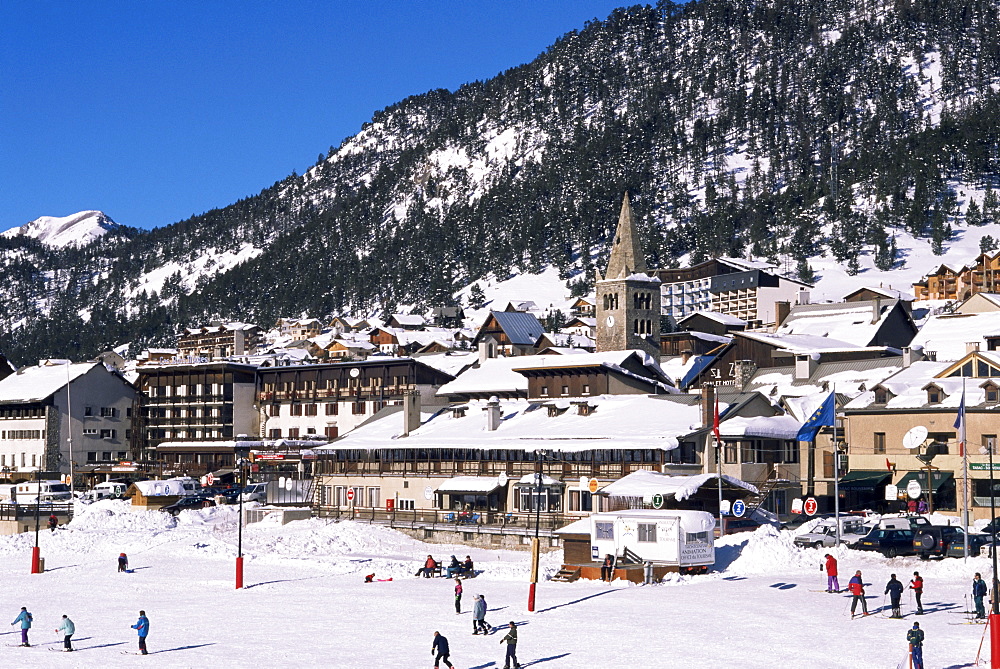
<point x="478" y="521"/>
<point x="24" y="511"/>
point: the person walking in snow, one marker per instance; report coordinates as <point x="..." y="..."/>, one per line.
<point x="479" y="616"/>
<point x="440" y="650"/>
<point x="142" y="627"/>
<point x="978" y="592"/>
<point x="832" y="584"/>
<point x="857" y="588"/>
<point x="895" y="591"/>
<point x="917" y="585"/>
<point x="122" y="562"/>
<point x="915" y="637"/>
<point x="458" y="595"/>
<point x="25" y="619"/>
<point x="511" y="640"/>
<point x="68" y="629"/>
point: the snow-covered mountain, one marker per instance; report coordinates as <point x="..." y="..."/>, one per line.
<point x="77" y="229"/>
<point x="842" y="142"/>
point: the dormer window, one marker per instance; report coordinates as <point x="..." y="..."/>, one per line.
<point x="933" y="395"/>
<point x="991" y="395"/>
<point x="881" y="395"/>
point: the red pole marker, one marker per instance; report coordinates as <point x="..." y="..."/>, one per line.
<point x="36" y="560"/>
<point x="239" y="572"/>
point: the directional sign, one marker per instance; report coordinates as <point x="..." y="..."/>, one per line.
<point x="797" y="505"/>
<point x="657" y="501"/>
<point x="350" y="494"/>
<point x="739" y="508"/>
<point x="913" y="489"/>
<point x="891" y="492"/>
<point x="209" y="479"/>
<point x="810" y="506"/>
<point x="593" y="485"/>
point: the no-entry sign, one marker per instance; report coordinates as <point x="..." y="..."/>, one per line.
<point x="350" y="494"/>
<point x="810" y="506"/>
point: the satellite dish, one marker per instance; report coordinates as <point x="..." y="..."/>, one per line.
<point x="915" y="436"/>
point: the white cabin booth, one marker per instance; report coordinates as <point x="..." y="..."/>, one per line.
<point x="672" y="540"/>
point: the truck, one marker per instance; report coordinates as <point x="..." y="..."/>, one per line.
<point x="824" y="533"/>
<point x="677" y="539"/>
<point x="107" y="490"/>
<point x="33" y="492"/>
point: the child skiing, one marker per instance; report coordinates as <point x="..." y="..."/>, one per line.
<point x="915" y="637"/>
<point x="25" y="619"/>
<point x="122" y="562"/>
<point x="142" y="627"/>
<point x="511" y="640"/>
<point x="832" y="585"/>
<point x="440" y="650"/>
<point x="857" y="588"/>
<point x="458" y="595"/>
<point x="917" y="585"/>
<point x="895" y="591"/>
<point x="68" y="629"/>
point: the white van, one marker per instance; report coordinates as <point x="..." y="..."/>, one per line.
<point x="255" y="492"/>
<point x="31" y="492"/>
<point x="107" y="490"/>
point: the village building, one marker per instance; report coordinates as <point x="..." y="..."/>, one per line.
<point x="218" y="341"/>
<point x="948" y="282"/>
<point x="509" y="333"/>
<point x="58" y="412"/>
<point x="877" y="322"/>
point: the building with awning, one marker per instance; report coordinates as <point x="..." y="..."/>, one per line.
<point x="942" y="486"/>
<point x="864" y="489"/>
<point x="472" y="493"/>
<point x="648" y="489"/>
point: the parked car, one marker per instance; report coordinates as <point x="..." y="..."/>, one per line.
<point x="255" y="492"/>
<point x="889" y="542"/>
<point x="231" y="495"/>
<point x="800" y="519"/>
<point x="189" y="502"/>
<point x="988" y="529"/>
<point x="852" y="529"/>
<point x="734" y="525"/>
<point x="946" y="541"/>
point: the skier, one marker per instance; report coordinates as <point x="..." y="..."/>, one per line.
<point x="458" y="595"/>
<point x="25" y="619"/>
<point x="440" y="650"/>
<point x="142" y="627"/>
<point x="832" y="584"/>
<point x="479" y="616"/>
<point x="122" y="562"/>
<point x="895" y="591"/>
<point x="68" y="629"/>
<point x="454" y="567"/>
<point x="53" y="522"/>
<point x="857" y="588"/>
<point x="917" y="585"/>
<point x="915" y="637"/>
<point x="978" y="592"/>
<point x="511" y="640"/>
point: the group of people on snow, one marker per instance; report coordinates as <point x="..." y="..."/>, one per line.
<point x="68" y="629"/>
<point x="442" y="651"/>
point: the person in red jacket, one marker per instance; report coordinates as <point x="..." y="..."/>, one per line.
<point x="857" y="588"/>
<point x="917" y="585"/>
<point x="832" y="584"/>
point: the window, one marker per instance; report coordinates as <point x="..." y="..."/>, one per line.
<point x="358" y="408"/>
<point x="545" y="391"/>
<point x="604" y="531"/>
<point x="91" y="456"/>
<point x="274" y="433"/>
<point x="730" y="453"/>
<point x="331" y="431"/>
<point x="696" y="537"/>
<point x="374" y="497"/>
<point x="293" y="433"/>
<point x="565" y="390"/>
<point x="647" y="533"/>
<point x="310" y="409"/>
<point x="879" y="442"/>
<point x="106" y="456"/>
<point x="586" y="389"/>
<point x="295" y="410"/>
<point x="331" y="409"/>
<point x="109" y="412"/>
<point x="881" y="396"/>
<point x="88" y="411"/>
<point x="406" y="504"/>
<point x="989" y="441"/>
<point x="90" y="431"/>
<point x="992" y="394"/>
<point x="933" y="395"/>
<point x="122" y="455"/>
<point x="109" y="434"/>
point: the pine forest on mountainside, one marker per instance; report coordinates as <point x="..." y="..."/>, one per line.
<point x="778" y="129"/>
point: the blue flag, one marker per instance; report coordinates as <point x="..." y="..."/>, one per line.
<point x="823" y="416"/>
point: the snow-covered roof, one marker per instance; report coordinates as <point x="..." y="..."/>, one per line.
<point x="33" y="384"/>
<point x="484" y="484"/>
<point x="408" y="319"/>
<point x="493" y="375"/>
<point x="807" y="343"/>
<point x="725" y="319"/>
<point x="764" y="427"/>
<point x="530" y="479"/>
<point x="645" y="484"/>
<point x="947" y="334"/>
<point x="616" y="422"/>
<point x="853" y="322"/>
<point x="849" y="377"/>
<point x="891" y="293"/>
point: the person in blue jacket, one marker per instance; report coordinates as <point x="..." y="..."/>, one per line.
<point x="978" y="592"/>
<point x="142" y="627"/>
<point x="440" y="650"/>
<point x="895" y="591"/>
<point x="25" y="619"/>
<point x="68" y="629"/>
<point x="915" y="637"/>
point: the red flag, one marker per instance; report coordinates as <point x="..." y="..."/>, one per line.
<point x="888" y="465"/>
<point x="715" y="423"/>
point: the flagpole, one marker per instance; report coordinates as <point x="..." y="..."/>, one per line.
<point x="836" y="469"/>
<point x="965" y="474"/>
<point x="718" y="459"/>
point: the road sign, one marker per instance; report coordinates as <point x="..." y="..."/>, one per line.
<point x="350" y="494"/>
<point x="593" y="485"/>
<point x="209" y="479"/>
<point x="797" y="505"/>
<point x="725" y="507"/>
<point x="810" y="506"/>
<point x="891" y="492"/>
<point x="739" y="508"/>
<point x="428" y="493"/>
<point x="913" y="489"/>
<point x="657" y="501"/>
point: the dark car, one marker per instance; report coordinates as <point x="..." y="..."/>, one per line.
<point x="946" y="541"/>
<point x="887" y="541"/>
<point x="734" y="525"/>
<point x="189" y="502"/>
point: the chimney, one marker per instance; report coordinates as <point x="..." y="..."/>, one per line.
<point x="803" y="296"/>
<point x="912" y="355"/>
<point x="708" y="405"/>
<point x="685" y="356"/>
<point x="876" y="310"/>
<point x="971" y="347"/>
<point x="805" y="365"/>
<point x="493" y="414"/>
<point x="411" y="411"/>
<point x="781" y="311"/>
<point x="487" y="349"/>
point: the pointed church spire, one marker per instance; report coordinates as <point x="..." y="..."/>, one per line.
<point x="627" y="256"/>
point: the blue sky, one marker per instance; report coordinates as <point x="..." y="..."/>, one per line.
<point x="154" y="111"/>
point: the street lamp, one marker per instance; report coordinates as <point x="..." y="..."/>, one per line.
<point x="241" y="451"/>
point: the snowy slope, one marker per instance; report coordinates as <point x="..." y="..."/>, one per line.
<point x="76" y="229"/>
